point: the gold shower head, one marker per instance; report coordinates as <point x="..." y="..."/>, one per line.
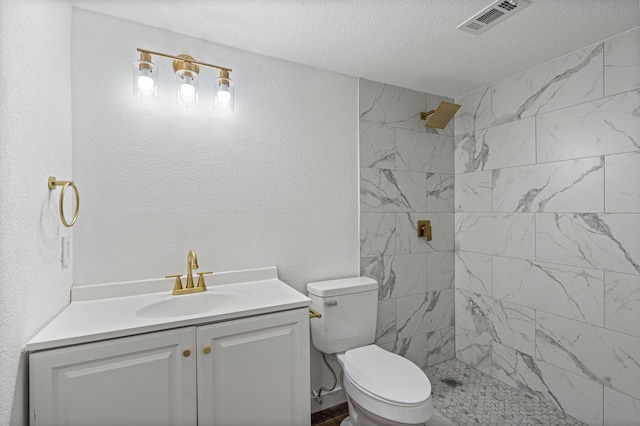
<point x="441" y="115"/>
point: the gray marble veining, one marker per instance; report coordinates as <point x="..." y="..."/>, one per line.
<point x="547" y="222"/>
<point x="440" y="345"/>
<point x="473" y="191"/>
<point x="406" y="175"/>
<point x="622" y="302"/>
<point x="424" y="152"/>
<point x="568" y="392"/>
<point x="380" y="269"/>
<point x="440" y="189"/>
<point x="502" y="322"/>
<point x="622" y="183"/>
<point x="440" y="269"/>
<point x="471" y="152"/>
<point x="507" y="145"/>
<point x="604" y="126"/>
<point x="410" y="271"/>
<point x="600" y="355"/>
<point x="569" y="80"/>
<point x="424" y="312"/>
<point x="475" y="111"/>
<point x="391" y="105"/>
<point x="547" y="302"/>
<point x="386" y="330"/>
<point x="383" y="190"/>
<point x="414" y="348"/>
<point x="576" y="293"/>
<point x="599" y="241"/>
<point x="425" y="349"/>
<point x="377" y="146"/>
<point x="506" y="234"/>
<point x="377" y="234"/>
<point x="473" y="350"/>
<point x="474" y="272"/>
<point x="620" y="409"/>
<point x="566" y="186"/>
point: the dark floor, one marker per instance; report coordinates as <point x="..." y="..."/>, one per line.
<point x="331" y="416"/>
<point x="334" y="415"/>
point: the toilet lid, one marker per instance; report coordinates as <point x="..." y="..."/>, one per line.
<point x="386" y="375"/>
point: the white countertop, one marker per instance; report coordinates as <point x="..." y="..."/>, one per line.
<point x="106" y="311"/>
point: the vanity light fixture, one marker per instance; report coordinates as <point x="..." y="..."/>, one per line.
<point x="145" y="73"/>
<point x="223" y="90"/>
<point x="186" y="80"/>
<point x="187" y="71"/>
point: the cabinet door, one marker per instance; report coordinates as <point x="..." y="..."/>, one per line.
<point x="141" y="380"/>
<point x="256" y="372"/>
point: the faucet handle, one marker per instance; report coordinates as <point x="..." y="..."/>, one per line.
<point x="177" y="286"/>
<point x="201" y="280"/>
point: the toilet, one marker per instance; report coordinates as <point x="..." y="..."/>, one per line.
<point x="382" y="388"/>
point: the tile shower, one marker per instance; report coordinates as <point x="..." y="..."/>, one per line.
<point x="543" y="231"/>
<point x="406" y="175"/>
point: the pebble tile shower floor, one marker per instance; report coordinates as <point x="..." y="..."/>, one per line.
<point x="483" y="400"/>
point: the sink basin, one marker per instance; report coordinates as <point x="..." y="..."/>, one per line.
<point x="211" y="301"/>
<point x="112" y="310"/>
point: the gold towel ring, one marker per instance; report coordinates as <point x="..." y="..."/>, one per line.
<point x="65" y="184"/>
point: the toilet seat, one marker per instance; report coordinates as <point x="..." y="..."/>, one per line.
<point x="387" y="384"/>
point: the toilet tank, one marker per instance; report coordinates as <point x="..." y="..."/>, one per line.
<point x="349" y="308"/>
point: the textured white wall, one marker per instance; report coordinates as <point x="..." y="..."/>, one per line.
<point x="274" y="183"/>
<point x="35" y="142"/>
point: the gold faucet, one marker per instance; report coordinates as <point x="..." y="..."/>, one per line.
<point x="192" y="263"/>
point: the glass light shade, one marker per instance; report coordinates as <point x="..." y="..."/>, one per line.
<point x="187" y="87"/>
<point x="223" y="94"/>
<point x="145" y="80"/>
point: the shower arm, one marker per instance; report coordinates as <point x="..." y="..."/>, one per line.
<point x="424" y="115"/>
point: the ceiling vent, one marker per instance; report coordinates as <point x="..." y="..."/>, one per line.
<point x="492" y="15"/>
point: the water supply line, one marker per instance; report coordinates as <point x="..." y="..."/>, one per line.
<point x="318" y="394"/>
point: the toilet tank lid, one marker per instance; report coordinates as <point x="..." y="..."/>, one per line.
<point x="342" y="286"/>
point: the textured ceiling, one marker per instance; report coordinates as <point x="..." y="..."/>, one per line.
<point x="408" y="43"/>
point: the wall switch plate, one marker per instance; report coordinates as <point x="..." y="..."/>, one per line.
<point x="65" y="252"/>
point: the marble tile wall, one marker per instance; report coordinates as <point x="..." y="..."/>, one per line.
<point x="406" y="175"/>
<point x="547" y="231"/>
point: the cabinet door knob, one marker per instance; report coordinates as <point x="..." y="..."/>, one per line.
<point x="186" y="353"/>
<point x="207" y="350"/>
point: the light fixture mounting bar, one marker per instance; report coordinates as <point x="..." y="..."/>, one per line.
<point x="151" y="52"/>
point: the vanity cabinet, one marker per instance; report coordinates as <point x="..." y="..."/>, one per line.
<point x="247" y="371"/>
<point x="129" y="381"/>
<point x="256" y="372"/>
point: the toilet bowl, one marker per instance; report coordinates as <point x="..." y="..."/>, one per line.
<point x="382" y="388"/>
